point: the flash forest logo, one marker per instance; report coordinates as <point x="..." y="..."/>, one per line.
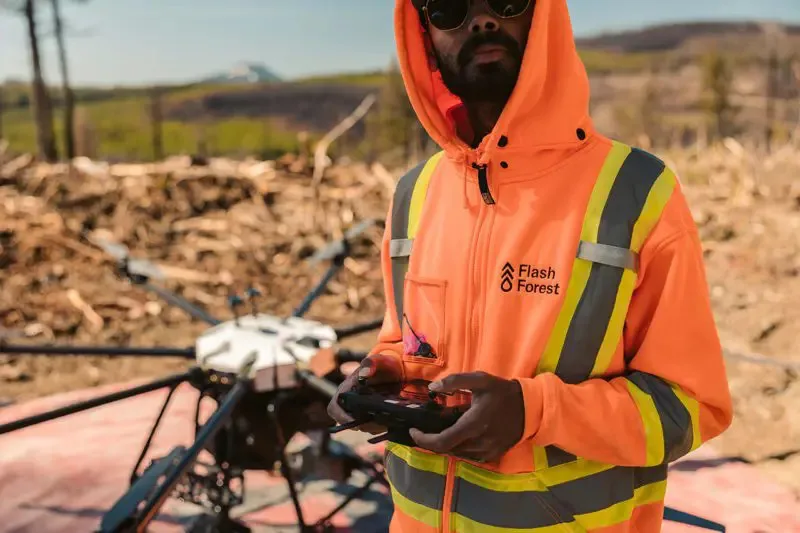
<point x="529" y="279"/>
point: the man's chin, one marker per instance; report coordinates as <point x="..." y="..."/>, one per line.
<point x="491" y="82"/>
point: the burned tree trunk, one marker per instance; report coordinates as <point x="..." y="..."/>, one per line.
<point x="69" y="100"/>
<point x="45" y="136"/>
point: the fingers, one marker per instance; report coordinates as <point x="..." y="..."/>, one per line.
<point x="469" y="426"/>
<point x="338" y="414"/>
<point x="474" y="381"/>
<point x="482" y="450"/>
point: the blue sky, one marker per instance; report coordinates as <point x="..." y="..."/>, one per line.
<point x="143" y="41"/>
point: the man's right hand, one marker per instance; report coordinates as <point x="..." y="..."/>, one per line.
<point x="377" y="369"/>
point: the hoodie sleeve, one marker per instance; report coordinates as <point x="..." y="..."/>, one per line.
<point x="674" y="395"/>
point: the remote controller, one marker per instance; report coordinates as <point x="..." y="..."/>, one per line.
<point x="400" y="406"/>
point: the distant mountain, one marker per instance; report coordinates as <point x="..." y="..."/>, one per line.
<point x="244" y="73"/>
<point x="670" y="37"/>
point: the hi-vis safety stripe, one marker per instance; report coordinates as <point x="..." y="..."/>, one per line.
<point x="409" y="198"/>
<point x="627" y="200"/>
<point x="570" y="498"/>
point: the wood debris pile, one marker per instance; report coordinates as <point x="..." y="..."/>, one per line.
<point x="213" y="228"/>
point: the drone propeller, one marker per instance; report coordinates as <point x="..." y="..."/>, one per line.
<point x="120" y="252"/>
<point x="339" y="247"/>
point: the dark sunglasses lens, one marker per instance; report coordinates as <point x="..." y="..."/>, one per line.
<point x="447" y="14"/>
<point x="509" y="8"/>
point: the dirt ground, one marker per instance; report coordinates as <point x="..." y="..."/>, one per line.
<point x="224" y="226"/>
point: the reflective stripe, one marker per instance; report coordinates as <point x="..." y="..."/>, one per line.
<point x="581" y="269"/>
<point x="626" y="202"/>
<point x="668" y="425"/>
<point x="693" y="408"/>
<point x="400" y="247"/>
<point x="592" y="495"/>
<point x="417" y="483"/>
<point x="608" y="255"/>
<point x="407" y="204"/>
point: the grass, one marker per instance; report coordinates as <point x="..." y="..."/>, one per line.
<point x="119" y="116"/>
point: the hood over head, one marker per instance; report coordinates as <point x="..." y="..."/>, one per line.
<point x="548" y="109"/>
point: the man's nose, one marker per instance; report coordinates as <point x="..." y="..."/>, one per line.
<point x="483" y="21"/>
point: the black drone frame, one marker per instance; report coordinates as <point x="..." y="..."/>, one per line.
<point x="172" y="475"/>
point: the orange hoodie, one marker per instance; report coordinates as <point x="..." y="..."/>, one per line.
<point x="493" y="284"/>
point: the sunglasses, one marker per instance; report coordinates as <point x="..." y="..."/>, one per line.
<point x="448" y="15"/>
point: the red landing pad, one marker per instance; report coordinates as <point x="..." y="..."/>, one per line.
<point x="61" y="476"/>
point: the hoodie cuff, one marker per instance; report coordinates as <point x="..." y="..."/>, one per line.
<point x="533" y="397"/>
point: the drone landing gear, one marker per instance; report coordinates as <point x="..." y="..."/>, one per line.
<point x="323" y="525"/>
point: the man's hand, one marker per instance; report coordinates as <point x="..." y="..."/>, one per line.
<point x="377" y="369"/>
<point x="489" y="428"/>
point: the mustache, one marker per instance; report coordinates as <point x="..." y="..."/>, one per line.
<point x="493" y="38"/>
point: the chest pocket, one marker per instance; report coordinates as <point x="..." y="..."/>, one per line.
<point x="419" y="302"/>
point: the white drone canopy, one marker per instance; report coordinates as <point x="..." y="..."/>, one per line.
<point x="273" y="346"/>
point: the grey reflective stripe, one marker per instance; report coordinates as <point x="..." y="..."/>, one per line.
<point x="516" y="510"/>
<point x="623" y="207"/>
<point x="676" y="422"/>
<point x="556" y="456"/>
<point x="400" y="247"/>
<point x="401" y="205"/>
<point x="602" y="490"/>
<point x="558" y="505"/>
<point x="419" y="486"/>
<point x="608" y="255"/>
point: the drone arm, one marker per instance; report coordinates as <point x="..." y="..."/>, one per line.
<point x="349" y="331"/>
<point x="325" y="387"/>
<point x="183" y="304"/>
<point x="95" y="402"/>
<point x="317" y="290"/>
<point x="95" y="350"/>
<point x="208" y="431"/>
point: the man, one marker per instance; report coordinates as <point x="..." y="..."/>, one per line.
<point x="552" y="272"/>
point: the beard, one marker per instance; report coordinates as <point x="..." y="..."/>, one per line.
<point x="491" y="82"/>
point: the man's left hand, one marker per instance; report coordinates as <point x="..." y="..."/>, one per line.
<point x="489" y="428"/>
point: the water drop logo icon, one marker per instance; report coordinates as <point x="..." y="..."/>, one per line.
<point x="507" y="278"/>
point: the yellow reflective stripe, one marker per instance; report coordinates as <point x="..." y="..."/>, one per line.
<point x="657" y="199"/>
<point x="420" y="191"/>
<point x="651" y="421"/>
<point x="616" y="324"/>
<point x="539" y="458"/>
<point x="693" y="408"/>
<point x="605" y="180"/>
<point x="429" y="517"/>
<point x="572" y="471"/>
<point x="429" y="462"/>
<point x="581" y="268"/>
<point x="462" y="524"/>
<point x="499" y="482"/>
<point x="624" y="510"/>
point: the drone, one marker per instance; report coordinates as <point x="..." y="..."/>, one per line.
<point x="264" y="374"/>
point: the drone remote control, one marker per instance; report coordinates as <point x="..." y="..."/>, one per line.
<point x="402" y="406"/>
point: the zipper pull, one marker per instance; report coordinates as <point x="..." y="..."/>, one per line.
<point x="483" y="183"/>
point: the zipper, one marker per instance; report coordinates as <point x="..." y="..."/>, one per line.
<point x="449" y="483"/>
<point x="483" y="183"/>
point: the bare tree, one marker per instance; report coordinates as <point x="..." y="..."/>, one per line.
<point x="69" y="100"/>
<point x="1" y="111"/>
<point x="42" y="106"/>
